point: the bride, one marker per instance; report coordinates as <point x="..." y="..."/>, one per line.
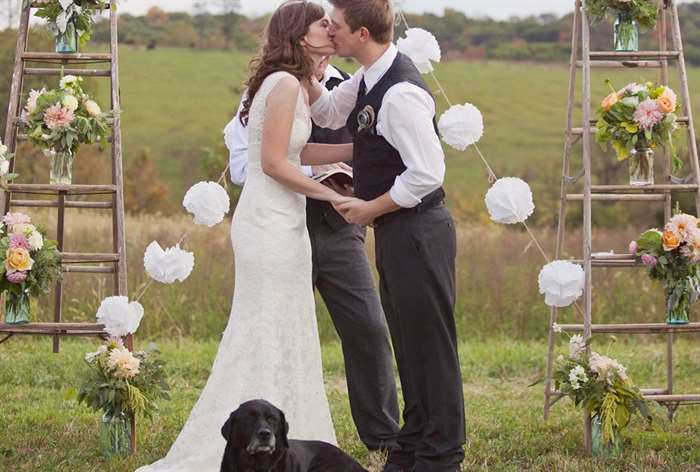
<point x="270" y="348"/>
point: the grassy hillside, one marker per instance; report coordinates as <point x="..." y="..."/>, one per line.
<point x="177" y="101"/>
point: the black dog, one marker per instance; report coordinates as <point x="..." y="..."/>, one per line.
<point x="256" y="436"/>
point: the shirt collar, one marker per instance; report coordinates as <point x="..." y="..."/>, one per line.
<point x="331" y="73"/>
<point x="376" y="71"/>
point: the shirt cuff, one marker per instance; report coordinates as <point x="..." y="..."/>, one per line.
<point x="402" y="196"/>
<point x="307" y="170"/>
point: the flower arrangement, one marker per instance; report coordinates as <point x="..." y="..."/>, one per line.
<point x="672" y="256"/>
<point x="122" y="384"/>
<point x="5" y="174"/>
<point x="67" y="15"/>
<point x="603" y="387"/>
<point x="60" y="120"/>
<point x="31" y="264"/>
<point x="645" y="12"/>
<point x="638" y="115"/>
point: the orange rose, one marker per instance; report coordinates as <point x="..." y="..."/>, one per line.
<point x="609" y="101"/>
<point x="18" y="259"/>
<point x="665" y="104"/>
<point x="671" y="240"/>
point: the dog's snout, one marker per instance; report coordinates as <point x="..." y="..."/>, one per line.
<point x="264" y="433"/>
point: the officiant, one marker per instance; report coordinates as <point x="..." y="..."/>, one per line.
<point x="342" y="275"/>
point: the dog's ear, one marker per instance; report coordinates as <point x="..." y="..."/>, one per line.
<point x="227" y="428"/>
<point x="284" y="429"/>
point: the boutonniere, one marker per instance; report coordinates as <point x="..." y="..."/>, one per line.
<point x="365" y="119"/>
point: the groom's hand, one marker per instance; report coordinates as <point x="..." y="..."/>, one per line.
<point x="357" y="212"/>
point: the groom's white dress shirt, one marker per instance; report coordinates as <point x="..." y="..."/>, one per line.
<point x="405" y="120"/>
<point x="236" y="138"/>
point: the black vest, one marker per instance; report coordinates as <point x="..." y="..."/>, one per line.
<point x="318" y="212"/>
<point x="376" y="163"/>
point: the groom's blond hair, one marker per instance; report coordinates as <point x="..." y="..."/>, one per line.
<point x="375" y="15"/>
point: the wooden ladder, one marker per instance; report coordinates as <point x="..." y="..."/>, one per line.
<point x="624" y="193"/>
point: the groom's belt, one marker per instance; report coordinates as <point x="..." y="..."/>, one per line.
<point x="432" y="200"/>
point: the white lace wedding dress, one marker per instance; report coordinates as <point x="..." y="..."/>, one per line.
<point x="270" y="348"/>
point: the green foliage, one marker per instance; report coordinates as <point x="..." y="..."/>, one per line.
<point x="644" y="11"/>
<point x="80" y="13"/>
<point x="105" y="389"/>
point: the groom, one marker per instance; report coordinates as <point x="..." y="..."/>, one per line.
<point x="399" y="169"/>
<point x="342" y="275"/>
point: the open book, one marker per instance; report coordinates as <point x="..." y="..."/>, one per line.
<point x="341" y="176"/>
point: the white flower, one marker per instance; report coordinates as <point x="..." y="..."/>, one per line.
<point x="119" y="316"/>
<point x="461" y="126"/>
<point x="577" y="346"/>
<point x="208" y="202"/>
<point x="509" y="201"/>
<point x="92" y="108"/>
<point x="606" y="368"/>
<point x="556" y="328"/>
<point x="561" y="282"/>
<point x="91" y="356"/>
<point x="421" y="47"/>
<point x="67" y="81"/>
<point x="123" y="362"/>
<point x="577" y="377"/>
<point x="36" y="241"/>
<point x="167" y="266"/>
<point x="3" y="149"/>
<point x="4" y="167"/>
<point x="70" y="102"/>
<point x="31" y="101"/>
<point x="66" y="3"/>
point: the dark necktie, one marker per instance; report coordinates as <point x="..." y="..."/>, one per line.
<point x="363" y="87"/>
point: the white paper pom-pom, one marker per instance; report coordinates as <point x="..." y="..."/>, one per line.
<point x="119" y="316"/>
<point x="167" y="266"/>
<point x="422" y="47"/>
<point x="461" y="126"/>
<point x="509" y="201"/>
<point x="208" y="202"/>
<point x="561" y="283"/>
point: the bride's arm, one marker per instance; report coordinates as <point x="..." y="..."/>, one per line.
<point x="316" y="154"/>
<point x="277" y="129"/>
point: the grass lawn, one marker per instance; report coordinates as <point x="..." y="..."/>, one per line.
<point x="42" y="428"/>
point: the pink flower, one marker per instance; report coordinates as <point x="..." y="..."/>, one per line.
<point x="633" y="247"/>
<point x="649" y="260"/>
<point x="17" y="277"/>
<point x="57" y="117"/>
<point x="12" y="219"/>
<point x="648" y="114"/>
<point x="18" y="240"/>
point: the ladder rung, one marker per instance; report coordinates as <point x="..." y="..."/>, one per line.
<point x="622" y="64"/>
<point x="634" y="55"/>
<point x="614" y="197"/>
<point x="681" y="120"/>
<point x="64" y="329"/>
<point x="54" y="204"/>
<point x="88" y="269"/>
<point x="645" y="188"/>
<point x="77" y="72"/>
<point x="47" y="189"/>
<point x="84" y="257"/>
<point x="634" y="328"/>
<point x="66" y="58"/>
<point x="675" y="398"/>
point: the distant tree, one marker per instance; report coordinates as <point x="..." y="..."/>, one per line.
<point x="9" y="9"/>
<point x="156" y="16"/>
<point x="228" y="17"/>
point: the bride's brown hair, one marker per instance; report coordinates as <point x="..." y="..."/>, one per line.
<point x="281" y="49"/>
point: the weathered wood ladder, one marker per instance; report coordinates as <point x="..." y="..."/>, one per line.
<point x="624" y="193"/>
<point x="55" y="64"/>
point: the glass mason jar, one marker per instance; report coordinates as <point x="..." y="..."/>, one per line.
<point x="626" y="33"/>
<point x="17" y="308"/>
<point x="678" y="300"/>
<point x="641" y="166"/>
<point x="115" y="434"/>
<point x="67" y="42"/>
<point x="600" y="447"/>
<point x="61" y="172"/>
